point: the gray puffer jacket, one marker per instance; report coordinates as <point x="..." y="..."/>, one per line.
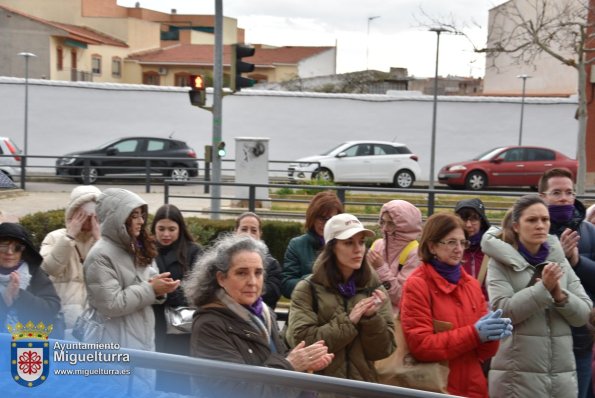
<point x="537" y="360"/>
<point x="116" y="287"/>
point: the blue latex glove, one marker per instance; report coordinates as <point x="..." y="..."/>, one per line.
<point x="491" y="327"/>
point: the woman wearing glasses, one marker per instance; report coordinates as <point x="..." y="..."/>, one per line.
<point x="444" y="314"/>
<point x="122" y="282"/>
<point x="531" y="281"/>
<point x="27" y="292"/>
<point x="303" y="250"/>
<point x="472" y="212"/>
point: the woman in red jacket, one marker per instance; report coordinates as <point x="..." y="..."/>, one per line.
<point x="441" y="290"/>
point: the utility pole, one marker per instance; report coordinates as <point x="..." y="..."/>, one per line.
<point x="217" y="109"/>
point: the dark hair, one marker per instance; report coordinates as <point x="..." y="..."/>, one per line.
<point x="323" y="203"/>
<point x="248" y="214"/>
<point x="437" y="226"/>
<point x="143" y="249"/>
<point x="508" y="233"/>
<point x="326" y="264"/>
<point x="551" y="173"/>
<point x="185" y="239"/>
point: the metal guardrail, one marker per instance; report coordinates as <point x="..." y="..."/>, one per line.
<point x="429" y="201"/>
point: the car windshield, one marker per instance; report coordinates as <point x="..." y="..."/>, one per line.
<point x="331" y="150"/>
<point x="488" y="155"/>
<point x="109" y="143"/>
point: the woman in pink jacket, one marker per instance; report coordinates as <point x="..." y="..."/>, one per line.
<point x="400" y="223"/>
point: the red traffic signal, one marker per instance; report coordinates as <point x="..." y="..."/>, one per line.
<point x="197" y="82"/>
<point x="197" y="90"/>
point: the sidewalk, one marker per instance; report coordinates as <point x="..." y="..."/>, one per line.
<point x="16" y="203"/>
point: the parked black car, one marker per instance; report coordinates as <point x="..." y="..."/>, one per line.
<point x="128" y="156"/>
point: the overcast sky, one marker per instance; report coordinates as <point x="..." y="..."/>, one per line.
<point x="395" y="39"/>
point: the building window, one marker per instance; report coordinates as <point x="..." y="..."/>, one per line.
<point x="96" y="64"/>
<point x="59" y="58"/>
<point x="116" y="67"/>
<point x="181" y="79"/>
<point x="151" y="78"/>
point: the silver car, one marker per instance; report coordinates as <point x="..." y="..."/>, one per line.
<point x="365" y="162"/>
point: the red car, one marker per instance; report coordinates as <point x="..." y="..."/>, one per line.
<point x="505" y="166"/>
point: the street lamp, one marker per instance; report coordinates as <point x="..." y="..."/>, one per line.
<point x="433" y="143"/>
<point x="524" y="77"/>
<point x="370" y="19"/>
<point x="24" y="162"/>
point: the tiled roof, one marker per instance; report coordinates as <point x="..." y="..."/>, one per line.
<point x="78" y="33"/>
<point x="199" y="54"/>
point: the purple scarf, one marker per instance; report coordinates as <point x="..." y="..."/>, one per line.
<point x="7" y="271"/>
<point x="347" y="289"/>
<point x="476" y="239"/>
<point x="256" y="308"/>
<point x="537" y="258"/>
<point x="452" y="273"/>
<point x="561" y="214"/>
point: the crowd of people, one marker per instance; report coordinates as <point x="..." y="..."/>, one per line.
<point x="507" y="307"/>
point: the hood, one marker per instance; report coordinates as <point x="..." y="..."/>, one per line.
<point x="466" y="163"/>
<point x="407" y="218"/>
<point x="315" y="158"/>
<point x="79" y="196"/>
<point x="504" y="253"/>
<point x="114" y="205"/>
<point x="18" y="232"/>
<point x="477" y="205"/>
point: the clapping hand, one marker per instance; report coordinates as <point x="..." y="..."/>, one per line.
<point x="368" y="306"/>
<point x="491" y="327"/>
<point x="12" y="290"/>
<point x="163" y="284"/>
<point x="311" y="358"/>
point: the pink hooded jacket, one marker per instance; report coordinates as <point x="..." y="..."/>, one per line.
<point x="408" y="221"/>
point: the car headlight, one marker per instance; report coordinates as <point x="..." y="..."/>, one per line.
<point x="66" y="161"/>
<point x="304" y="165"/>
<point x="457" y="168"/>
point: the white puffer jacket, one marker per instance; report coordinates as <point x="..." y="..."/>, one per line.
<point x="117" y="288"/>
<point x="537" y="360"/>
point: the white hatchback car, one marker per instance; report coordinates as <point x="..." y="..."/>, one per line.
<point x="365" y="162"/>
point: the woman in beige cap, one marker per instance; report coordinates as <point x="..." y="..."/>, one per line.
<point x="344" y="304"/>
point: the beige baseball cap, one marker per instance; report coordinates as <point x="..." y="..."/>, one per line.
<point x="344" y="226"/>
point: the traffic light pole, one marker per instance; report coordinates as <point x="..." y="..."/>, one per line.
<point x="217" y="109"/>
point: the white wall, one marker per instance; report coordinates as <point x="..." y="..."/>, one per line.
<point x="65" y="117"/>
<point x="322" y="64"/>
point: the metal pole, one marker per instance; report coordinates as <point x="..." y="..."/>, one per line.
<point x="217" y="108"/>
<point x="370" y="19"/>
<point x="524" y="77"/>
<point x="435" y="109"/>
<point x="26" y="127"/>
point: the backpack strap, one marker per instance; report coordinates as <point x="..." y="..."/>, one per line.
<point x="314" y="296"/>
<point x="483" y="270"/>
<point x="405" y="252"/>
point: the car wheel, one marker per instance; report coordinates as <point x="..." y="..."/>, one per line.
<point x="476" y="181"/>
<point x="93" y="174"/>
<point x="403" y="179"/>
<point x="323" y="175"/>
<point x="180" y="173"/>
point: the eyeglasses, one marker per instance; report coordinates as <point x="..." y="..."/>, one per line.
<point x="15" y="247"/>
<point x="453" y="243"/>
<point x="470" y="217"/>
<point x="557" y="194"/>
<point x="138" y="215"/>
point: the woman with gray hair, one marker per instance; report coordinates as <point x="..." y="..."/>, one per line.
<point x="233" y="324"/>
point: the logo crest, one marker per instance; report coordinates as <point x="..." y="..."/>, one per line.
<point x="30" y="353"/>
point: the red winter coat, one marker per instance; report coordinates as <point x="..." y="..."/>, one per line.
<point x="427" y="296"/>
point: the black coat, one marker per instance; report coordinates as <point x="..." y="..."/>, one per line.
<point x="272" y="282"/>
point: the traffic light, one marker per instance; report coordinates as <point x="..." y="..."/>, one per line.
<point x="221" y="149"/>
<point x="198" y="96"/>
<point x="237" y="81"/>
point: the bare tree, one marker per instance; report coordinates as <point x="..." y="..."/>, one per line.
<point x="525" y="30"/>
